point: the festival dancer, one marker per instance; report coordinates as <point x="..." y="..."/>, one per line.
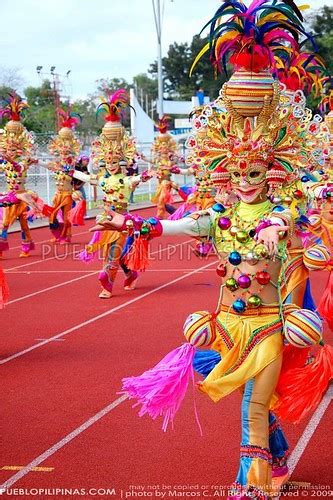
<point x="16" y="155"/>
<point x="258" y="142"/>
<point x="115" y="150"/>
<point x="164" y="158"/>
<point x="65" y="149"/>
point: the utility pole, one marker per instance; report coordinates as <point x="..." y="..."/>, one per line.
<point x="158" y="25"/>
<point x="57" y="87"/>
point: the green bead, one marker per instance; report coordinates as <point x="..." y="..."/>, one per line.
<point x="231" y="284"/>
<point x="254" y="301"/>
<point x="144" y="230"/>
<point x="242" y="236"/>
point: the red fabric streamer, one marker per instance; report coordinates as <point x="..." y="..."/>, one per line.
<point x="301" y="389"/>
<point x="137" y="258"/>
<point x="47" y="210"/>
<point x="77" y="213"/>
<point x="4" y="290"/>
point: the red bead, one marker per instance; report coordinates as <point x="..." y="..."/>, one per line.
<point x="298" y="194"/>
<point x="221" y="270"/>
<point x="263" y="277"/>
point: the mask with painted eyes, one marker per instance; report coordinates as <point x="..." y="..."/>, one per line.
<point x="253" y="175"/>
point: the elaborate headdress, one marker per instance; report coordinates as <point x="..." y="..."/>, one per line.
<point x="65" y="147"/>
<point x="113" y="144"/>
<point x="163" y="124"/>
<point x="278" y="146"/>
<point x="16" y="143"/>
<point x="248" y="41"/>
<point x="112" y="109"/>
<point x="326" y="106"/>
<point x="14" y="105"/>
<point x="68" y="121"/>
<point x="301" y="71"/>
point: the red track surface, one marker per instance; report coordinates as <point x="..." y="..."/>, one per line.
<point x="53" y="387"/>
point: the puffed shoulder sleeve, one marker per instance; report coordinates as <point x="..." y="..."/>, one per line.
<point x="197" y="224"/>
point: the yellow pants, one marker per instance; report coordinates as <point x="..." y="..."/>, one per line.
<point x="251" y="348"/>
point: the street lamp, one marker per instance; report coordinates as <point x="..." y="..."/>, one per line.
<point x="158" y="25"/>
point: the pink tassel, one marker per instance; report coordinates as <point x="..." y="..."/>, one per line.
<point x="161" y="390"/>
<point x="179" y="213"/>
<point x="76" y="214"/>
<point x="86" y="255"/>
<point x="325" y="307"/>
<point x="302" y="388"/>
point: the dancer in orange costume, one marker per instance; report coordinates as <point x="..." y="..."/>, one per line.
<point x="65" y="148"/>
<point x="16" y="155"/>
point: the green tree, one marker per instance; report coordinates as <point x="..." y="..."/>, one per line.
<point x="321" y="23"/>
<point x="110" y="85"/>
<point x="40" y="117"/>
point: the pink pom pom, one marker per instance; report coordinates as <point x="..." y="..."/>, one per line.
<point x="161" y="390"/>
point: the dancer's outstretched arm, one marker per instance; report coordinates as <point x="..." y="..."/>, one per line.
<point x="196" y="225"/>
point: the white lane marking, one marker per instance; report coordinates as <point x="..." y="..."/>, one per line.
<point x="53" y="287"/>
<point x="309" y="430"/>
<point x="76" y="252"/>
<point x="57" y="257"/>
<point x="103" y="315"/>
<point x="64" y="283"/>
<point x="76" y="271"/>
<point x="60" y="444"/>
<point x="55" y="340"/>
<point x="45" y="241"/>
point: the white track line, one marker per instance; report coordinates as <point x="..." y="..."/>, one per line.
<point x="309" y="430"/>
<point x="45" y="241"/>
<point x="60" y="257"/>
<point x="77" y="271"/>
<point x="64" y="283"/>
<point x="60" y="444"/>
<point x="103" y="315"/>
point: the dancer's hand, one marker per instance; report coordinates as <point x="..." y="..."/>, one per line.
<point x="29" y="199"/>
<point x="151" y="172"/>
<point x="111" y="222"/>
<point x="269" y="236"/>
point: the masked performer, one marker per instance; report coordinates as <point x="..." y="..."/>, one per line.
<point x="164" y="158"/>
<point x="114" y="149"/>
<point x="16" y="150"/>
<point x="65" y="149"/>
<point x="257" y="144"/>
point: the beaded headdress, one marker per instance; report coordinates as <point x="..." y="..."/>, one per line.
<point x="113" y="144"/>
<point x="15" y="141"/>
<point x="17" y="145"/>
<point x="265" y="128"/>
<point x="65" y="147"/>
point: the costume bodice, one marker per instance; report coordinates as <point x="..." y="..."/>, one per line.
<point x="15" y="174"/>
<point x="117" y="189"/>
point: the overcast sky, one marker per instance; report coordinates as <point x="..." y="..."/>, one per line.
<point x="95" y="39"/>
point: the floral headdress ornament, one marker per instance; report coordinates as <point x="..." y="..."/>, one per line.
<point x="163" y="124"/>
<point x="67" y="118"/>
<point x="113" y="108"/>
<point x="13" y="108"/>
<point x="252" y="35"/>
